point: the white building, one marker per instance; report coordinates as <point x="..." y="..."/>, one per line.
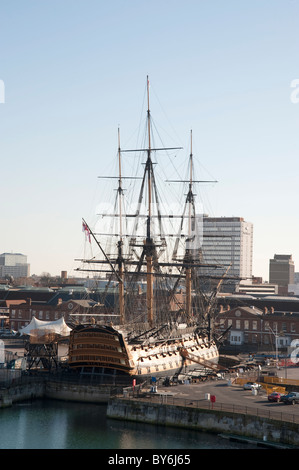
<point x="14" y="264"/>
<point x="254" y="288"/>
<point x="228" y="240"/>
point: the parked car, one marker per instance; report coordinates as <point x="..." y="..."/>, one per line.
<point x="251" y="386"/>
<point x="275" y="396"/>
<point x="290" y="398"/>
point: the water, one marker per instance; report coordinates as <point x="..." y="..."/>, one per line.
<point x="51" y="424"/>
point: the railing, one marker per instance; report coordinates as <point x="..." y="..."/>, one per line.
<point x="280" y="380"/>
<point x="164" y="399"/>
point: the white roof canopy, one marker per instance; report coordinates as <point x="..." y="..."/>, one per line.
<point x="36" y="326"/>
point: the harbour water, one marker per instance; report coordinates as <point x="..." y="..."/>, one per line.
<point x="53" y="424"/>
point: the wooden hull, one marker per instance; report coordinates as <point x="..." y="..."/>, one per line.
<point x="98" y="347"/>
<point x="104" y="348"/>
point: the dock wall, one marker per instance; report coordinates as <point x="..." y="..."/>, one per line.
<point x="55" y="390"/>
<point x="213" y="421"/>
<point x="76" y="392"/>
<point x="29" y="391"/>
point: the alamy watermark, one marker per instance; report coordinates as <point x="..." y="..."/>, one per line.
<point x="295" y="352"/>
<point x="295" y="92"/>
<point x="181" y="225"/>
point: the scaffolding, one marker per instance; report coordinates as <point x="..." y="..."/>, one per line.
<point x="42" y="350"/>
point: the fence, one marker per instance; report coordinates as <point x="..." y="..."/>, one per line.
<point x="268" y="385"/>
<point x="205" y="404"/>
<point x="280" y="380"/>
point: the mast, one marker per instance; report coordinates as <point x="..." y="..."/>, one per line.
<point x="120" y="242"/>
<point x="149" y="255"/>
<point x="190" y="200"/>
<point x="190" y="260"/>
<point x="149" y="242"/>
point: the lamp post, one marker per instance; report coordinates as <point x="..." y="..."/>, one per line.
<point x="276" y="344"/>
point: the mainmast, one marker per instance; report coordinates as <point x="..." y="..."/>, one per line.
<point x="149" y="254"/>
<point x="149" y="246"/>
<point x="190" y="201"/>
<point x="120" y="242"/>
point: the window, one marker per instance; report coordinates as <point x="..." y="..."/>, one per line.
<point x="235" y="339"/>
<point x="293" y="328"/>
<point x="246" y="324"/>
<point x="238" y="324"/>
<point x="40" y="315"/>
<point x="254" y="325"/>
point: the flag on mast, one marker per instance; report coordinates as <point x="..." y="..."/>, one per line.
<point x="86" y="230"/>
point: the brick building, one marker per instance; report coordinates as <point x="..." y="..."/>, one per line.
<point x="265" y="329"/>
<point x="21" y="314"/>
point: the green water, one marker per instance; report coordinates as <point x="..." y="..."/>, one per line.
<point x="51" y="424"/>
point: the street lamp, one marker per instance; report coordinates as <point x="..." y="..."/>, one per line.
<point x="276" y="344"/>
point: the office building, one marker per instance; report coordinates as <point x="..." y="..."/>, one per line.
<point x="281" y="272"/>
<point x="14" y="264"/>
<point x="254" y="288"/>
<point x="228" y="241"/>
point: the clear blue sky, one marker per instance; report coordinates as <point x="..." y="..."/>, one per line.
<point x="74" y="70"/>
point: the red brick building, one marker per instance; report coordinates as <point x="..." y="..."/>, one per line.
<point x="252" y="326"/>
<point x="20" y="314"/>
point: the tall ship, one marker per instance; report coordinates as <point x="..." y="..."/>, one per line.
<point x="162" y="322"/>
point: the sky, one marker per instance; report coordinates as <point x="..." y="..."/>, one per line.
<point x="73" y="71"/>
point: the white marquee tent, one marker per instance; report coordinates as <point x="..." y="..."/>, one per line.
<point x="36" y="326"/>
